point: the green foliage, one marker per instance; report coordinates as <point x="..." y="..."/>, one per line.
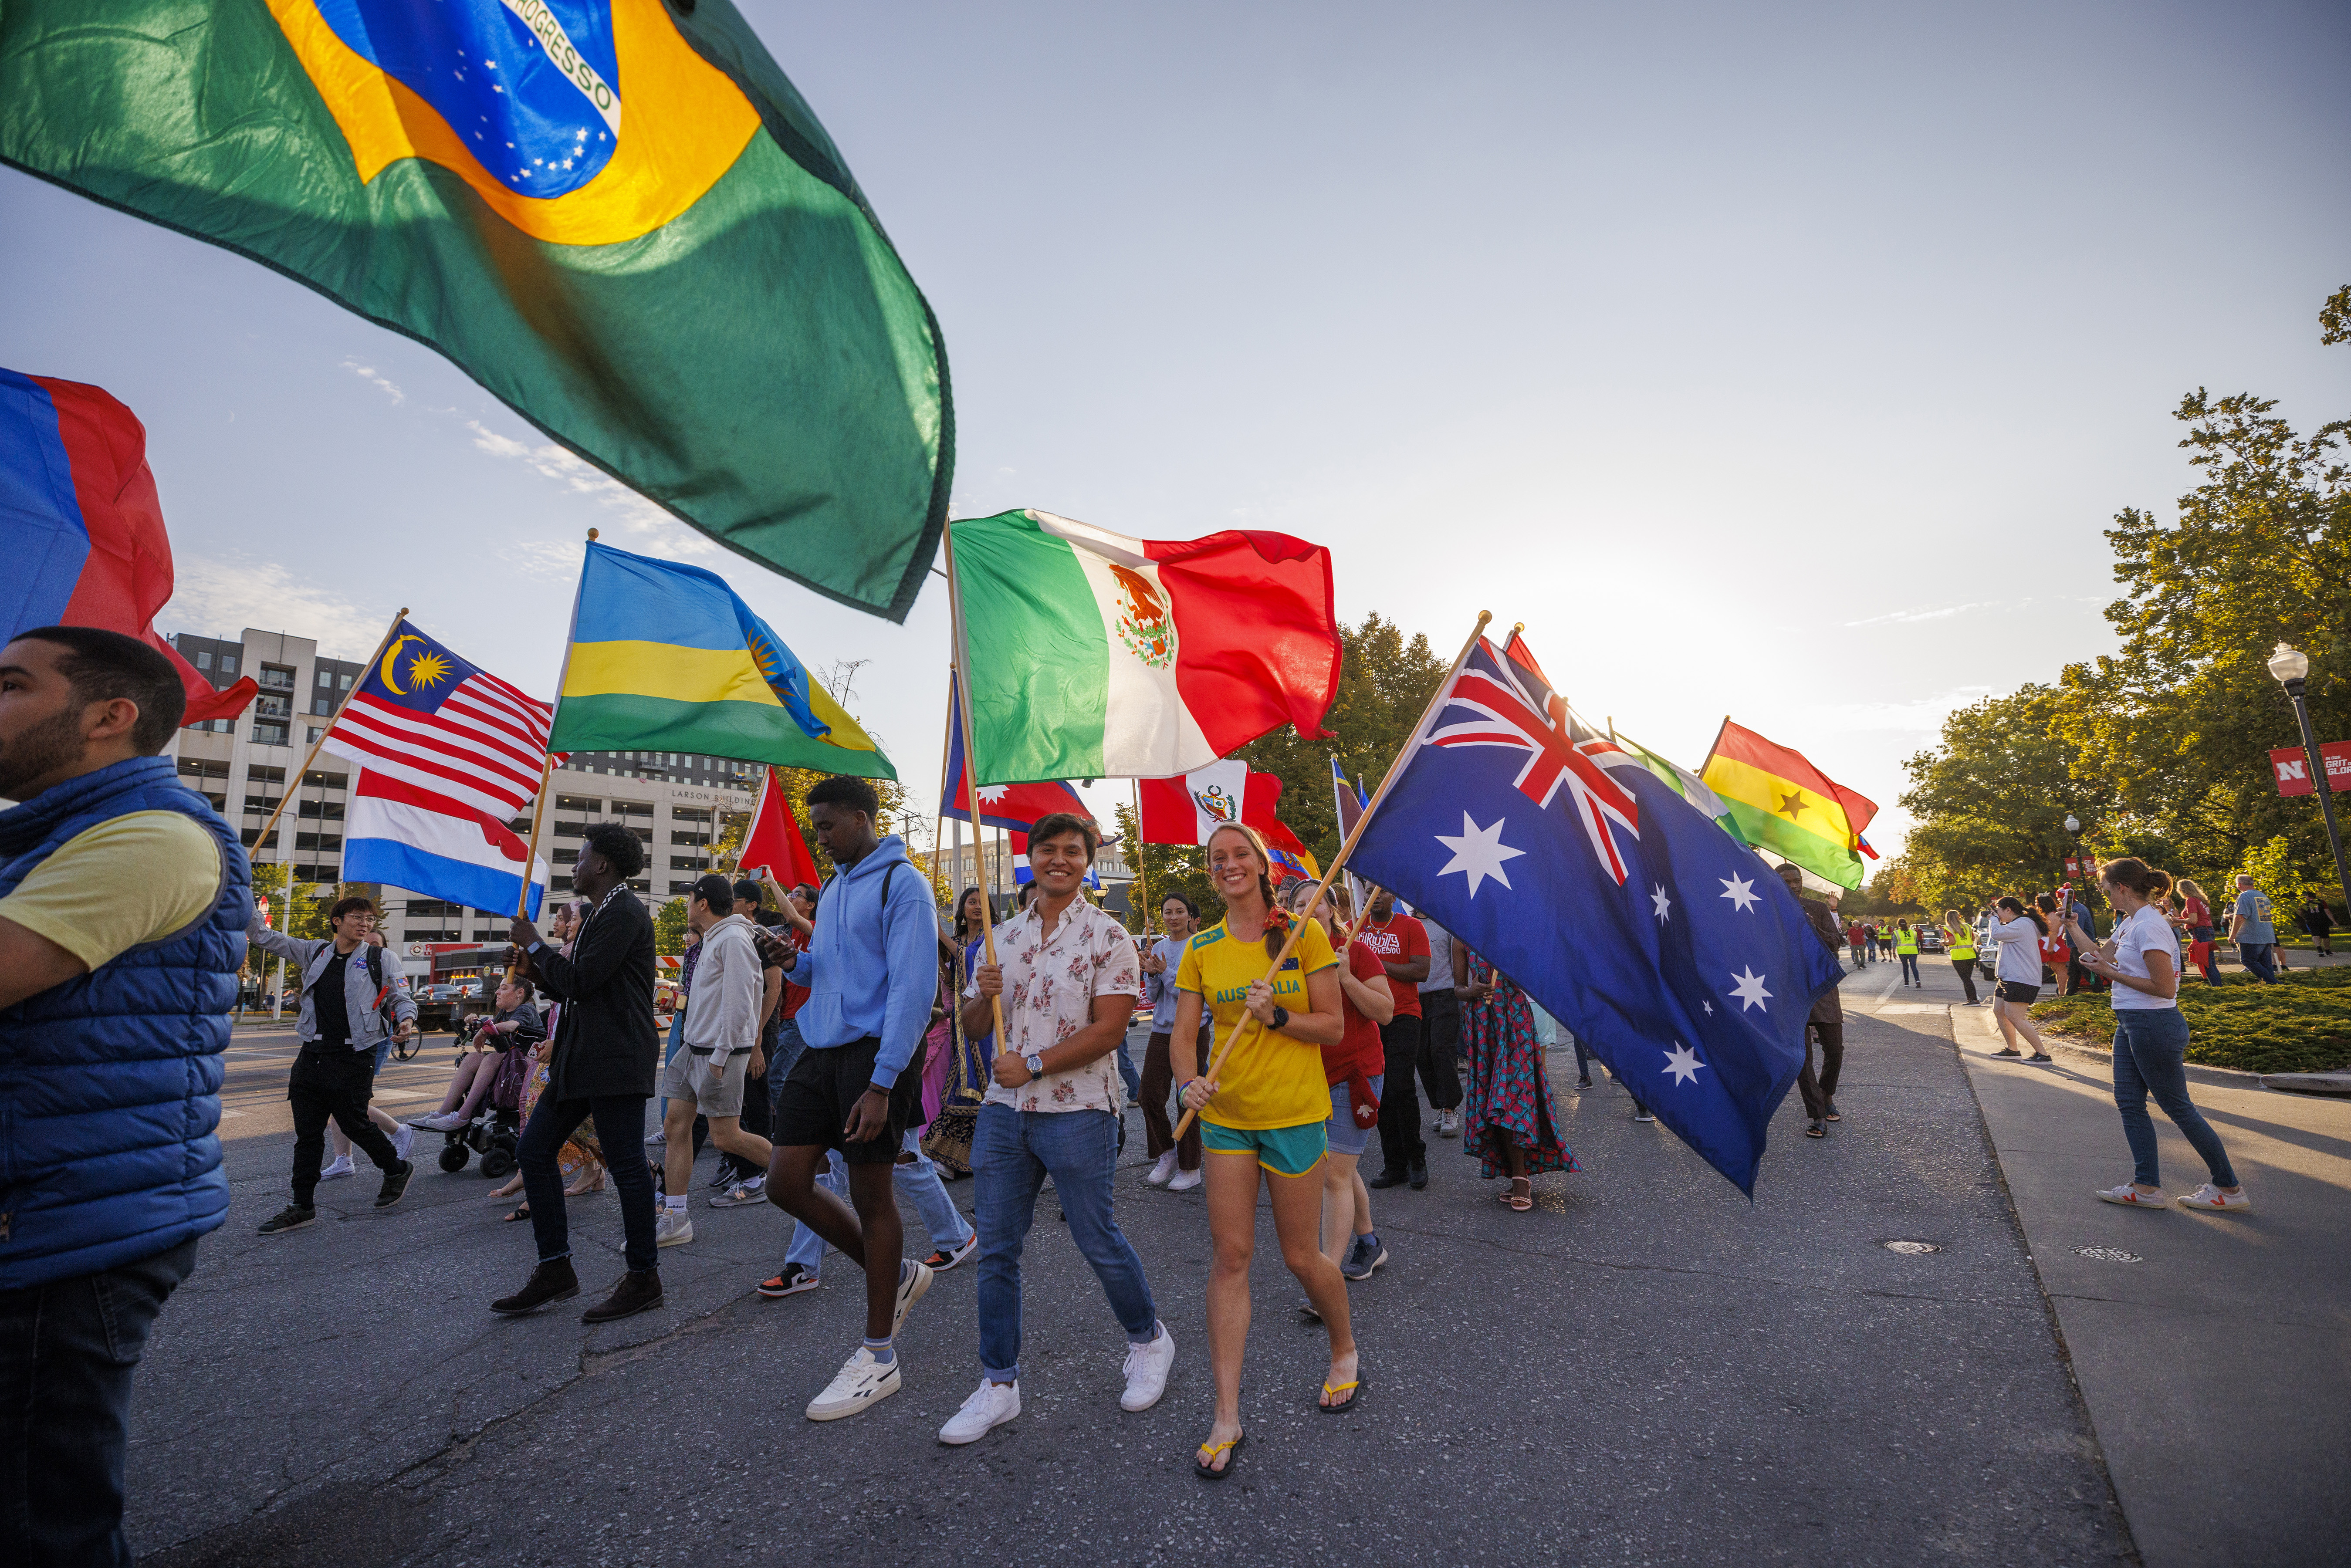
<point x="307" y="917"/>
<point x="1384" y="684"/>
<point x="669" y="928"/>
<point x="2302" y="1024"/>
<point x="2285" y="877"/>
<point x="1169" y="868"/>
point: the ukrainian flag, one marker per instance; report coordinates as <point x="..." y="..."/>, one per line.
<point x="667" y="656"/>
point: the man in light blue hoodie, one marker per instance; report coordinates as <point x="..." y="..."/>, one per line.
<point x="872" y="973"/>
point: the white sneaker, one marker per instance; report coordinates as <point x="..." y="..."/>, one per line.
<point x="658" y="1135"/>
<point x="2130" y="1197"/>
<point x="403" y="1140"/>
<point x="1448" y="1124"/>
<point x="672" y="1229"/>
<point x="991" y="1405"/>
<point x="914" y="1278"/>
<point x="1147" y="1367"/>
<point x="337" y="1169"/>
<point x="1159" y="1174"/>
<point x="1184" y="1181"/>
<point x="861" y="1382"/>
<point x="440" y="1122"/>
<point x="2212" y="1197"/>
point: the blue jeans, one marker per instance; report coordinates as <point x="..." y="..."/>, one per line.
<point x="918" y="1183"/>
<point x="551" y="1122"/>
<point x="1910" y="968"/>
<point x="2260" y="959"/>
<point x="1127" y="1072"/>
<point x="2150" y="1053"/>
<point x="67" y="1353"/>
<point x="1012" y="1151"/>
<point x="788" y="1046"/>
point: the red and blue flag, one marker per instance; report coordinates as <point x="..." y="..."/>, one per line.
<point x="82" y="527"/>
<point x="1014" y="807"/>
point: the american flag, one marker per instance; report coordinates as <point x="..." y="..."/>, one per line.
<point x="427" y="716"/>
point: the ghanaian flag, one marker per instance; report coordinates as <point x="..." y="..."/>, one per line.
<point x="669" y="657"/>
<point x="1782" y="803"/>
<point x="619" y="217"/>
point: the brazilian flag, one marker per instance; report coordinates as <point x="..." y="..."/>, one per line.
<point x="617" y="216"/>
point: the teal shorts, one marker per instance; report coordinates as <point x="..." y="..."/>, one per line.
<point x="1284" y="1150"/>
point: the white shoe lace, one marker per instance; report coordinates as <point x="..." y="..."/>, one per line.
<point x="852" y="1372"/>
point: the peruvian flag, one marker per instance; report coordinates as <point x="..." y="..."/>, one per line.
<point x="773" y="845"/>
<point x="1014" y="807"/>
<point x="1187" y="808"/>
<point x="82" y="529"/>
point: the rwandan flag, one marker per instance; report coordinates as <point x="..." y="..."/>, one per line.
<point x="1781" y="802"/>
<point x="617" y="215"/>
<point x="666" y="656"/>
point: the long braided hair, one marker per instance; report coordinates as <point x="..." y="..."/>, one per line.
<point x="1277" y="918"/>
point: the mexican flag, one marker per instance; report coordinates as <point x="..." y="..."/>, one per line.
<point x="1093" y="655"/>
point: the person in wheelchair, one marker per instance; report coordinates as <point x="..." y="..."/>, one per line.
<point x="515" y="1025"/>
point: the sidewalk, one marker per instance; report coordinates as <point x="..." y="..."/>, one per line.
<point x="2213" y="1352"/>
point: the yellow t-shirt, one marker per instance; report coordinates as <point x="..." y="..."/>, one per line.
<point x="1270" y="1079"/>
<point x="127" y="881"/>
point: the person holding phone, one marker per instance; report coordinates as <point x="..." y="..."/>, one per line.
<point x="2019" y="931"/>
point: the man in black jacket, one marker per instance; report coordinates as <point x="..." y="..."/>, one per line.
<point x="1826" y="1022"/>
<point x="603" y="1062"/>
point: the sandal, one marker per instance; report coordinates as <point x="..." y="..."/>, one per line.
<point x="1230" y="1448"/>
<point x="1357" y="1399"/>
<point x="1512" y="1198"/>
<point x="522" y="1211"/>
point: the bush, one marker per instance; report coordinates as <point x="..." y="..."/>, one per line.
<point x="2302" y="1024"/>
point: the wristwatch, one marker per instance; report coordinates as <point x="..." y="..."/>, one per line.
<point x="1280" y="1017"/>
<point x="1035" y="1063"/>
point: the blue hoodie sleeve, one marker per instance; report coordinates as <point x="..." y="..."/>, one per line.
<point x="910" y="939"/>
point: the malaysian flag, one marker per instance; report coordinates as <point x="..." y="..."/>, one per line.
<point x="425" y="716"/>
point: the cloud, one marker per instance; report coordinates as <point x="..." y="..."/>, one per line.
<point x="557" y="561"/>
<point x="631" y="510"/>
<point x="367" y="373"/>
<point x="1919" y="716"/>
<point x="1904" y="616"/>
<point x="215" y="597"/>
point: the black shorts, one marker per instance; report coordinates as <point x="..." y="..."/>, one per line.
<point x="825" y="1085"/>
<point x="2017" y="991"/>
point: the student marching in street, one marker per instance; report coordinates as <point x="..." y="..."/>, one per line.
<point x="1856" y="945"/>
<point x="1826" y="1023"/>
<point x="1175" y="1165"/>
<point x="1513" y="1127"/>
<point x="1403" y="947"/>
<point x="1905" y="947"/>
<point x="2196" y="920"/>
<point x="1067" y="978"/>
<point x="747" y="1181"/>
<point x="2018" y="929"/>
<point x="513" y="1026"/>
<point x="1262" y="1113"/>
<point x="1355" y="1070"/>
<point x="872" y="970"/>
<point x="601" y="1063"/>
<point x="123" y="903"/>
<point x="1960" y="939"/>
<point x="2142" y="963"/>
<point x="346" y="990"/>
<point x="1440" y="1031"/>
<point x="708" y="1076"/>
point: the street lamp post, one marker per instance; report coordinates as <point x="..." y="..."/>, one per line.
<point x="2292" y="668"/>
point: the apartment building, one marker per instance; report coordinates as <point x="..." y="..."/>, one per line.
<point x="674" y="801"/>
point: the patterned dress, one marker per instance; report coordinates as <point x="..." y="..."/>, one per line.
<point x="1507" y="1089"/>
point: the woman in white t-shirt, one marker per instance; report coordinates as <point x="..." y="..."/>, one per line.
<point x="2018" y="928"/>
<point x="2142" y="961"/>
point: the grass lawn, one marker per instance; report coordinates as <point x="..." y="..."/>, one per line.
<point x="2301" y="1024"/>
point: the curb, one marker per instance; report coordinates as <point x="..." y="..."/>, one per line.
<point x="2064" y="1045"/>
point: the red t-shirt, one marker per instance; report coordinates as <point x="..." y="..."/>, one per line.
<point x="1400" y="941"/>
<point x="1359" y="1050"/>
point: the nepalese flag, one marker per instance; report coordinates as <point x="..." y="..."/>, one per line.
<point x="440" y="847"/>
<point x="428" y="718"/>
<point x="82" y="529"/>
<point x="619" y="217"/>
<point x="1665" y="946"/>
<point x="1015" y="806"/>
<point x="1096" y="655"/>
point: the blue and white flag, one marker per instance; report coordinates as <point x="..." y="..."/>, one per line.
<point x="440" y="847"/>
<point x="1671" y="950"/>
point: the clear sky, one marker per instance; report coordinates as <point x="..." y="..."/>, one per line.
<point x="1783" y="362"/>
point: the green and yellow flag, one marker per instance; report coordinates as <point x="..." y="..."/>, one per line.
<point x="617" y="216"/>
<point x="1779" y="801"/>
<point x="667" y="656"/>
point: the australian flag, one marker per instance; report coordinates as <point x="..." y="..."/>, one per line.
<point x="1669" y="947"/>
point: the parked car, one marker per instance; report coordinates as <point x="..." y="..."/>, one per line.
<point x="1930" y="940"/>
<point x="450" y="1004"/>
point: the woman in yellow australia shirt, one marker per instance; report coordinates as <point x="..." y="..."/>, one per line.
<point x="1263" y="1111"/>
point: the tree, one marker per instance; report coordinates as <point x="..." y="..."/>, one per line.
<point x="1992" y="802"/>
<point x="1168" y="868"/>
<point x="669" y="928"/>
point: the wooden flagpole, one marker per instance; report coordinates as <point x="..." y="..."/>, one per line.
<point x="1141" y="881"/>
<point x="947" y="741"/>
<point x="1394" y="771"/>
<point x="970" y="763"/>
<point x="547" y="767"/>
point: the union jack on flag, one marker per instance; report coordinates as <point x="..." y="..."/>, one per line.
<point x="427" y="716"/>
<point x="1484" y="707"/>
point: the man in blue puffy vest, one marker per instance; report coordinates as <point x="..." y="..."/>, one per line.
<point x="123" y="900"/>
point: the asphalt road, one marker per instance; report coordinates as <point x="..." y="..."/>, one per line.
<point x="1644" y="1369"/>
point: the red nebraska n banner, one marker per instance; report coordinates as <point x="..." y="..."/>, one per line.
<point x="2291" y="764"/>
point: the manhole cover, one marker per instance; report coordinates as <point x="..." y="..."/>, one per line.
<point x="2108" y="1255"/>
<point x="1911" y="1248"/>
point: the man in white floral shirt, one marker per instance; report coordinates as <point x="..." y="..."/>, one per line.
<point x="1067" y="976"/>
